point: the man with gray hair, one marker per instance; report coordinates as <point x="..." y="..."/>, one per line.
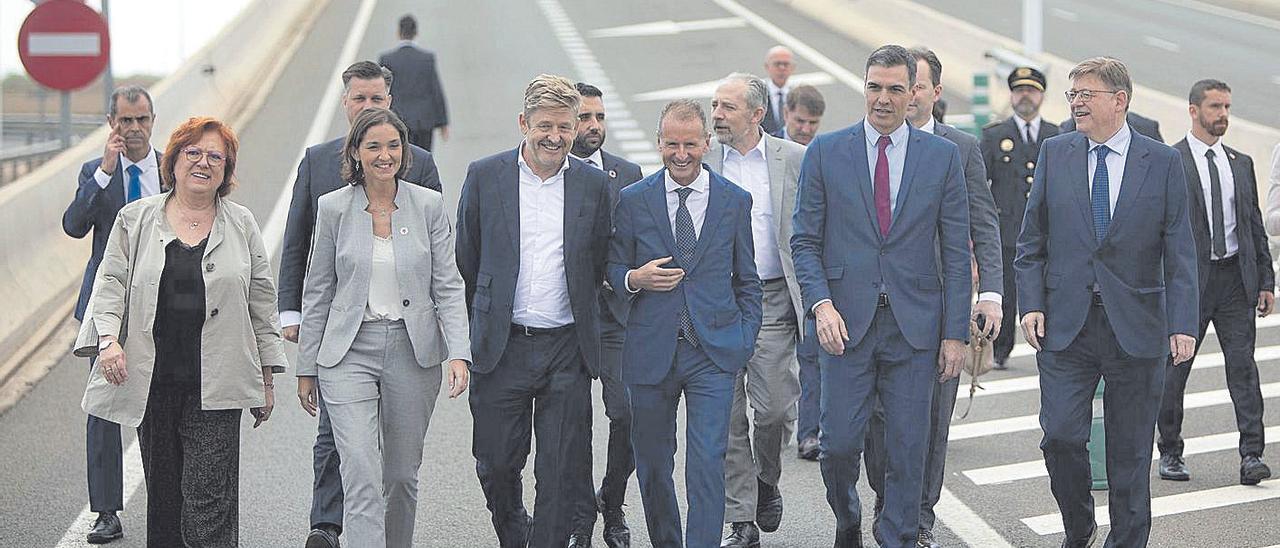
<point x="779" y="64"/>
<point x="533" y="230"/>
<point x="126" y="171"/>
<point x="1107" y="207"/>
<point x="682" y="252"/>
<point x="768" y="168"/>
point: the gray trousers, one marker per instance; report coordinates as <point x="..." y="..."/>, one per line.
<point x="380" y="401"/>
<point x="771" y="385"/>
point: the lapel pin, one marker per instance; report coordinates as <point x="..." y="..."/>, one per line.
<point x="613" y="174"/>
<point x="404" y="230"/>
<point x="208" y="267"/>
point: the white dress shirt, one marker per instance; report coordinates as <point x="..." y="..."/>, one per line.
<point x="896" y="153"/>
<point x="751" y="172"/>
<point x="542" y="290"/>
<point x="696" y="203"/>
<point x="1033" y="125"/>
<point x="931" y="126"/>
<point x="779" y="103"/>
<point x="595" y="160"/>
<point x="1223" y="163"/>
<point x="384" y="288"/>
<point x="150" y="176"/>
<point x="1119" y="145"/>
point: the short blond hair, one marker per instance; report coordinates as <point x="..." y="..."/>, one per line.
<point x="1110" y="70"/>
<point x="549" y="91"/>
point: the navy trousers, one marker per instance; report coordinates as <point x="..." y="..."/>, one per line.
<point x="709" y="398"/>
<point x="326" y="491"/>
<point x="104" y="461"/>
<point x="1131" y="401"/>
<point x="810" y="383"/>
<point x="621" y="462"/>
<point x="882" y="365"/>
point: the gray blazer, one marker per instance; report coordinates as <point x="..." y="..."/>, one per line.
<point x="984" y="223"/>
<point x="337" y="284"/>
<point x="784" y="158"/>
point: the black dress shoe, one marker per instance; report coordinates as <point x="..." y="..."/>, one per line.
<point x="808" y="449"/>
<point x="849" y="538"/>
<point x="616" y="533"/>
<point x="1172" y="468"/>
<point x="768" y="506"/>
<point x="925" y="540"/>
<point x="323" y="536"/>
<point x="107" y="528"/>
<point x="1253" y="470"/>
<point x="742" y="534"/>
<point x="580" y="540"/>
<point x="1082" y="543"/>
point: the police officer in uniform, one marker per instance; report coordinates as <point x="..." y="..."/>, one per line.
<point x="1010" y="148"/>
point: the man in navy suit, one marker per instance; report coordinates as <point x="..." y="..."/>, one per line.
<point x="421" y="105"/>
<point x="881" y="248"/>
<point x="682" y="251"/>
<point x="613" y="319"/>
<point x="533" y="231"/>
<point x="127" y="170"/>
<point x="1107" y="208"/>
<point x="365" y="86"/>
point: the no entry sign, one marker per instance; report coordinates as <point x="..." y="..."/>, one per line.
<point x="64" y="44"/>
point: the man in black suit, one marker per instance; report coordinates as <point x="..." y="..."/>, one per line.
<point x="533" y="230"/>
<point x="365" y="86"/>
<point x="127" y="170"/>
<point x="417" y="85"/>
<point x="1236" y="279"/>
<point x="779" y="64"/>
<point x="1009" y="151"/>
<point x="1139" y="123"/>
<point x="613" y="319"/>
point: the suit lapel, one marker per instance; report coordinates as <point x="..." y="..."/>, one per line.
<point x="1078" y="178"/>
<point x="777" y="179"/>
<point x="1135" y="175"/>
<point x="509" y="195"/>
<point x="711" y="221"/>
<point x="1243" y="179"/>
<point x="715" y="157"/>
<point x="1193" y="187"/>
<point x="574" y="198"/>
<point x="915" y="137"/>
<point x="856" y="145"/>
<point x="656" y="198"/>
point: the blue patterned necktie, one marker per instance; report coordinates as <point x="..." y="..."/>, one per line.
<point x="135" y="184"/>
<point x="686" y="244"/>
<point x="1101" y="195"/>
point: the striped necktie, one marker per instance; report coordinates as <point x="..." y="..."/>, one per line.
<point x="1100" y="198"/>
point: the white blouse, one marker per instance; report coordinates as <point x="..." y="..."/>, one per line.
<point x="384" y="289"/>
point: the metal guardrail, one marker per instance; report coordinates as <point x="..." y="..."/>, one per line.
<point x="16" y="161"/>
<point x="35" y="123"/>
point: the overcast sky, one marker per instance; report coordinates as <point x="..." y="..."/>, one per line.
<point x="147" y="36"/>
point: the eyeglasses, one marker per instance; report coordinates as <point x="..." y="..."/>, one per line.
<point x="1085" y="95"/>
<point x="194" y="155"/>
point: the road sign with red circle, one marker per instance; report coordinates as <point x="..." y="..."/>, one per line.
<point x="64" y="44"/>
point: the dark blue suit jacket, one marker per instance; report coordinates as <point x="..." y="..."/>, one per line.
<point x="1145" y="267"/>
<point x="621" y="175"/>
<point x="923" y="264"/>
<point x="94" y="208"/>
<point x="488" y="252"/>
<point x="720" y="284"/>
<point x="319" y="173"/>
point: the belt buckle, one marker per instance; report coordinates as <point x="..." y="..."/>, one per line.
<point x="527" y="333"/>
<point x="882" y="301"/>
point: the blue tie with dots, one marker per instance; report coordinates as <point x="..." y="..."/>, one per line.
<point x="686" y="244"/>
<point x="135" y="183"/>
<point x="1101" y="195"/>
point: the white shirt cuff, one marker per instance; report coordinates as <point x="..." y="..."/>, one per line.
<point x="627" y="281"/>
<point x="991" y="296"/>
<point x="817" y="304"/>
<point x="290" y="318"/>
<point x="101" y="178"/>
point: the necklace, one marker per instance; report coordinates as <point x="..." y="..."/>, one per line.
<point x="382" y="212"/>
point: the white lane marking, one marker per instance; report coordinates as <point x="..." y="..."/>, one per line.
<point x="668" y="27"/>
<point x="1211" y="9"/>
<point x="1161" y="43"/>
<point x="619" y="121"/>
<point x="702" y="90"/>
<point x="1023" y="423"/>
<point x="1181" y="503"/>
<point x="272" y="234"/>
<point x="1064" y="14"/>
<point x="1035" y="468"/>
<point x="1203" y="361"/>
<point x="800" y="48"/>
<point x="966" y="523"/>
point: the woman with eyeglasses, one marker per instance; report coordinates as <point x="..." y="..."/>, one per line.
<point x="183" y="323"/>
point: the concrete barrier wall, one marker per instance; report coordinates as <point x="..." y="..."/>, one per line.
<point x="40" y="266"/>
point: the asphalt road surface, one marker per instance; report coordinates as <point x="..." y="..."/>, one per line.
<point x="488" y="51"/>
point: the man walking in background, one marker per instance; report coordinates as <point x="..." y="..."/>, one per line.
<point x="417" y="87"/>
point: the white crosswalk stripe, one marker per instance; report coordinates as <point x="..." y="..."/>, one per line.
<point x="1181" y="503"/>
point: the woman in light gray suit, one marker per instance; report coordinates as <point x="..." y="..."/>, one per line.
<point x="382" y="307"/>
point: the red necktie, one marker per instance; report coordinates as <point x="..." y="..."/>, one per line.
<point x="883" y="213"/>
